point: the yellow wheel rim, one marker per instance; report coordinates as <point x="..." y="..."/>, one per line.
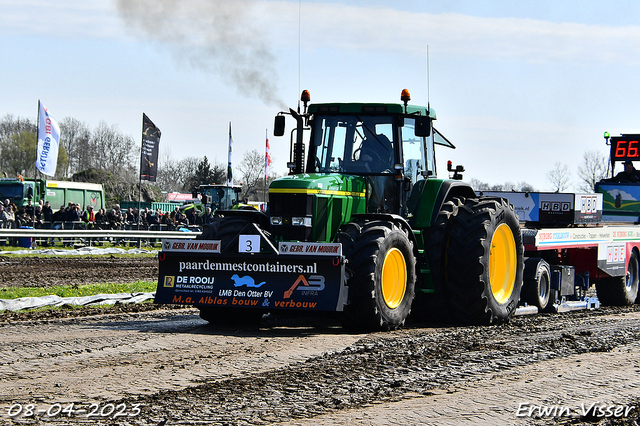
<point x="503" y="261"/>
<point x="394" y="278"/>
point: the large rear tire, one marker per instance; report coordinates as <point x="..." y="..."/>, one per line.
<point x="226" y="229"/>
<point x="483" y="259"/>
<point x="621" y="291"/>
<point x="433" y="307"/>
<point x="382" y="264"/>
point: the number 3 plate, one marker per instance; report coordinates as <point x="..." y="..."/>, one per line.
<point x="249" y="244"/>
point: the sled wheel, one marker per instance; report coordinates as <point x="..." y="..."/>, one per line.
<point x="483" y="261"/>
<point x="536" y="288"/>
<point x="621" y="291"/>
<point x="226" y="229"/>
<point x="382" y="282"/>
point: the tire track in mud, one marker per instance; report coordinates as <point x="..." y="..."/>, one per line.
<point x="391" y="367"/>
<point x="97" y="359"/>
<point x="291" y="369"/>
<point x="359" y="371"/>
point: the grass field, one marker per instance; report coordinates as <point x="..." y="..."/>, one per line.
<point x="77" y="291"/>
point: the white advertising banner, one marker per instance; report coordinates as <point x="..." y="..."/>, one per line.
<point x="48" y="140"/>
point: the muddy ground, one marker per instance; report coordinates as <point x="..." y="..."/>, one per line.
<point x="140" y="365"/>
<point x="44" y="271"/>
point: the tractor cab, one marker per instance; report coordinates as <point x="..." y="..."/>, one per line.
<point x="218" y="196"/>
<point x="389" y="146"/>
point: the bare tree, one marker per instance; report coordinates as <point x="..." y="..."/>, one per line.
<point x="175" y="175"/>
<point x="559" y="177"/>
<point x="12" y="126"/>
<point x="17" y="145"/>
<point x="252" y="169"/>
<point x="478" y="185"/>
<point x="74" y="138"/>
<point x="592" y="170"/>
<point x="509" y="186"/>
<point x="112" y="151"/>
<point x="525" y="187"/>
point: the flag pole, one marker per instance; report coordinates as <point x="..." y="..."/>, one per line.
<point x="35" y="173"/>
<point x="139" y="219"/>
<point x="35" y="167"/>
<point x="229" y="169"/>
<point x="266" y="167"/>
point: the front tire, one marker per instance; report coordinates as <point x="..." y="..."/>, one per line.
<point x="382" y="263"/>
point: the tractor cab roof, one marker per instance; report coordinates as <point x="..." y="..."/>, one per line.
<point x="367" y="108"/>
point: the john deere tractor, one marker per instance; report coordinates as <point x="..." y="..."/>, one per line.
<point x="360" y="226"/>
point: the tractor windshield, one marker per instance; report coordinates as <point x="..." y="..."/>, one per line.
<point x="366" y="145"/>
<point x="354" y="144"/>
<point x="12" y="191"/>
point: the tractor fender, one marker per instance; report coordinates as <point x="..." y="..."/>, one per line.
<point x="449" y="190"/>
<point x="428" y="197"/>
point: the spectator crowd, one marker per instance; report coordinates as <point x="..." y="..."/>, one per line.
<point x="72" y="216"/>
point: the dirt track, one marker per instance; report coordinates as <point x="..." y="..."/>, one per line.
<point x="171" y="367"/>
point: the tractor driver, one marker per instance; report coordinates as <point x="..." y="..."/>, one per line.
<point x="630" y="174"/>
<point x="377" y="152"/>
<point x="377" y="155"/>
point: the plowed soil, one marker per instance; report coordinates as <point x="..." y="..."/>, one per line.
<point x="45" y="271"/>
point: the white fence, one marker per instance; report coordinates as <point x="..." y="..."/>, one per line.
<point x="89" y="237"/>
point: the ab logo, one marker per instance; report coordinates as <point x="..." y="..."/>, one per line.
<point x="169" y="281"/>
<point x="315" y="283"/>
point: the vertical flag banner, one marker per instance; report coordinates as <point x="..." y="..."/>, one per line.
<point x="267" y="158"/>
<point x="149" y="153"/>
<point x="229" y="171"/>
<point x="48" y="141"/>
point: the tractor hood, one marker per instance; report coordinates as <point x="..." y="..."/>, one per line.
<point x="322" y="184"/>
<point x="311" y="207"/>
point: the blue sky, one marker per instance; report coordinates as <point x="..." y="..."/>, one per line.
<point x="517" y="86"/>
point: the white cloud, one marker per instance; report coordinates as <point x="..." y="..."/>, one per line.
<point x="60" y="19"/>
<point x="336" y="26"/>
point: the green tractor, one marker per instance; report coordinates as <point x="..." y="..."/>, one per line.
<point x="360" y="226"/>
<point x="219" y="196"/>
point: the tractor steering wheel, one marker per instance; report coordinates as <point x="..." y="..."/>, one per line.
<point x="375" y="156"/>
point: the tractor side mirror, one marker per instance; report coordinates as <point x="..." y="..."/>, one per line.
<point x="423" y="126"/>
<point x="278" y="125"/>
<point x="30" y="192"/>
